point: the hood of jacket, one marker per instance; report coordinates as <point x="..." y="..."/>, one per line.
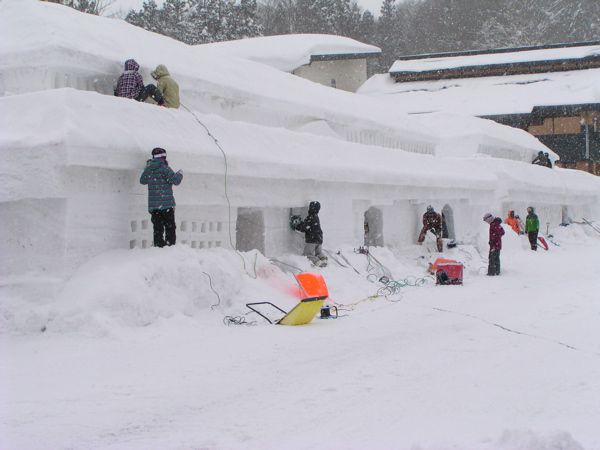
<point x="160" y="71"/>
<point x="532" y="210"/>
<point x="155" y="163"/>
<point x="131" y="64"/>
<point x="314" y="207"/>
<point x="498" y="220"/>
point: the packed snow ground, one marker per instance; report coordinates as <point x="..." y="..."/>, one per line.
<point x="133" y="355"/>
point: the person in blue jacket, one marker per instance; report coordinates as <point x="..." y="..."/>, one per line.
<point x="160" y="179"/>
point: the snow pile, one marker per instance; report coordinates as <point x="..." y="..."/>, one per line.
<point x="511" y="94"/>
<point x="48" y="46"/>
<point x="490" y="59"/>
<point x="288" y="52"/>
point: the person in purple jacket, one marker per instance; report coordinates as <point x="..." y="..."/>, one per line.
<point x="495" y="241"/>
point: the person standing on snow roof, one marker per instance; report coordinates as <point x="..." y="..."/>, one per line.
<point x="532" y="227"/>
<point x="131" y="85"/>
<point x="495" y="242"/>
<point x="167" y="86"/>
<point x="513" y="222"/>
<point x="432" y="221"/>
<point x="313" y="234"/>
<point x="160" y="179"/>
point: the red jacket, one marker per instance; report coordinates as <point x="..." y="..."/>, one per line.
<point x="496" y="233"/>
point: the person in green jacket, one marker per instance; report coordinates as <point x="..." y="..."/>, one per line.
<point x="167" y="86"/>
<point x="532" y="227"/>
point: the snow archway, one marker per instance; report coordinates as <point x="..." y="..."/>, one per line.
<point x="448" y="222"/>
<point x="250" y="230"/>
<point x="374" y="227"/>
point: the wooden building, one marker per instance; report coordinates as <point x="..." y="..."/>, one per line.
<point x="551" y="91"/>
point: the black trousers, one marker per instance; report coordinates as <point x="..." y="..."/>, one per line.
<point x="533" y="235"/>
<point x="494" y="262"/>
<point x="164" y="227"/>
<point x="150" y="91"/>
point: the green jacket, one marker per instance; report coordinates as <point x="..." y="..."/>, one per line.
<point x="167" y="86"/>
<point x="532" y="223"/>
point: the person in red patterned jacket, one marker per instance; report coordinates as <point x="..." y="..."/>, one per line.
<point x="432" y="221"/>
<point x="131" y="85"/>
<point x="495" y="241"/>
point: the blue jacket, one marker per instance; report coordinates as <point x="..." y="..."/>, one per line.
<point x="160" y="179"/>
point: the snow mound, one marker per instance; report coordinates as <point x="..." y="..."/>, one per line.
<point x="529" y="440"/>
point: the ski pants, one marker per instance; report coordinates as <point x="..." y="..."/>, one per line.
<point x="533" y="236"/>
<point x="150" y="91"/>
<point x="313" y="252"/>
<point x="494" y="262"/>
<point x="164" y="227"/>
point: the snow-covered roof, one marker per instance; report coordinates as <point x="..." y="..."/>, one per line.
<point x="514" y="94"/>
<point x="47" y="46"/>
<point x="288" y="52"/>
<point x="489" y="59"/>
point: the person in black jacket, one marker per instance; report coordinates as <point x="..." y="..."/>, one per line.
<point x="313" y="234"/>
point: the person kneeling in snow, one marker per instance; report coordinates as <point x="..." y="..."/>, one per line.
<point x="495" y="241"/>
<point x="313" y="234"/>
<point x="168" y="87"/>
<point x="131" y="85"/>
<point x="160" y="179"/>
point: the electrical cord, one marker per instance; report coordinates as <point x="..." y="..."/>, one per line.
<point x="225" y="178"/>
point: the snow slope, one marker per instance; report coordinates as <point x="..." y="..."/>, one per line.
<point x="47" y="46"/>
<point x="298" y="49"/>
<point x="498" y="364"/>
<point x="511" y="94"/>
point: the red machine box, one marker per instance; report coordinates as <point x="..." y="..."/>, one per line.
<point x="449" y="273"/>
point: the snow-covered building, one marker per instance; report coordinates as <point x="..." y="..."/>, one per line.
<point x="334" y="61"/>
<point x="72" y="152"/>
<point x="552" y="91"/>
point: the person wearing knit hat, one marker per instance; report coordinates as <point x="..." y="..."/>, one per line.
<point x="160" y="179"/>
<point x="495" y="242"/>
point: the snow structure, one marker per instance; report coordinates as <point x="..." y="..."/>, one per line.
<point x="73" y="152"/>
<point x="299" y="48"/>
<point x="563" y="54"/>
<point x="511" y="94"/>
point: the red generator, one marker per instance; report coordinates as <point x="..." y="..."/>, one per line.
<point x="449" y="273"/>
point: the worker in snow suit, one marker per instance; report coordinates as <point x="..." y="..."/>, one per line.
<point x="313" y="234"/>
<point x="532" y="227"/>
<point x="160" y="179"/>
<point x="131" y="85"/>
<point x="513" y="222"/>
<point x="167" y="86"/>
<point x="495" y="242"/>
<point x="432" y="221"/>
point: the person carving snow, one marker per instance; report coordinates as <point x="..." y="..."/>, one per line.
<point x="167" y="86"/>
<point x="313" y="234"/>
<point x="513" y="222"/>
<point x="160" y="179"/>
<point x="432" y="221"/>
<point x="495" y="242"/>
<point x="131" y="85"/>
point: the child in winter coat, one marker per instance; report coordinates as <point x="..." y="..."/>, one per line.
<point x="532" y="227"/>
<point x="131" y="85"/>
<point x="495" y="241"/>
<point x="313" y="234"/>
<point x="513" y="221"/>
<point x="160" y="179"/>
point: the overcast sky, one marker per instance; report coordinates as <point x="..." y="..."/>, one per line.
<point x="126" y="5"/>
